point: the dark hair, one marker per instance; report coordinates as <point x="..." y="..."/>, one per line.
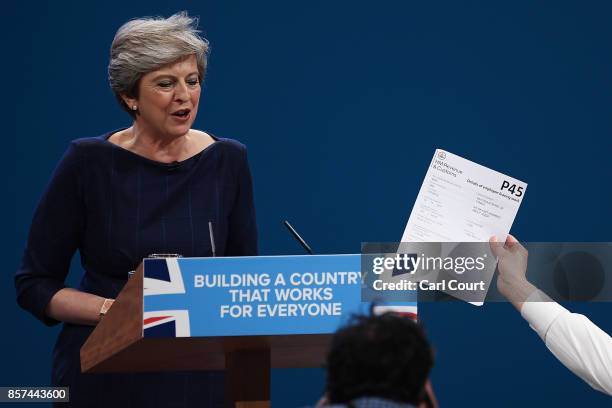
<point x="386" y="356"/>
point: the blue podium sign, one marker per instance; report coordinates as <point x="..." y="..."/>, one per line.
<point x="247" y="296"/>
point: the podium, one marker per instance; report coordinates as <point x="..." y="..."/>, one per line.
<point x="244" y="315"/>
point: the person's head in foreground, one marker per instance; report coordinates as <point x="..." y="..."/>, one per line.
<point x="386" y="357"/>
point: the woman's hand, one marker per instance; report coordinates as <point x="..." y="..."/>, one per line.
<point x="73" y="306"/>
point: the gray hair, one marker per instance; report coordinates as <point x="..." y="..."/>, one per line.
<point x="146" y="44"/>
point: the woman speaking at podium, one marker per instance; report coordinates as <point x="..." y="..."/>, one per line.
<point x="156" y="186"/>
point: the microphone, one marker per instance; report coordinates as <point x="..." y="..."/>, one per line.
<point x="173" y="166"/>
<point x="212" y="239"/>
<point x="297" y="237"/>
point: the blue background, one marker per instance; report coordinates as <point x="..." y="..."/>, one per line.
<point x="342" y="104"/>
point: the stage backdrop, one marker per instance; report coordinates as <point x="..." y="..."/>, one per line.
<point x="342" y="104"/>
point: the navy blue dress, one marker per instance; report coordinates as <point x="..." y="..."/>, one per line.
<point x="116" y="207"/>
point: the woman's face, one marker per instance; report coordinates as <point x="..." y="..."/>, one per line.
<point x="168" y="98"/>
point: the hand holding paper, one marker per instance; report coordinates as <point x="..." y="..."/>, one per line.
<point x="461" y="201"/>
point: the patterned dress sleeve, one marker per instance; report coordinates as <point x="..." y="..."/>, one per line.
<point x="53" y="238"/>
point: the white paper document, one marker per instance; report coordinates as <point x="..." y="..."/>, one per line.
<point x="462" y="201"/>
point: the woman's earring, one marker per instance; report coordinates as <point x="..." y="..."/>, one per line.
<point x="134" y="107"/>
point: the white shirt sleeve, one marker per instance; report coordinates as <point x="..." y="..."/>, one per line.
<point x="578" y="343"/>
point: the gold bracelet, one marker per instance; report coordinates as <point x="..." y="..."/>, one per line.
<point x="106" y="307"/>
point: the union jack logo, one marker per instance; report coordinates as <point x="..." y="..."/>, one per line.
<point x="164" y="277"/>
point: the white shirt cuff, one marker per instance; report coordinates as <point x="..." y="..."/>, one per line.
<point x="540" y="311"/>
